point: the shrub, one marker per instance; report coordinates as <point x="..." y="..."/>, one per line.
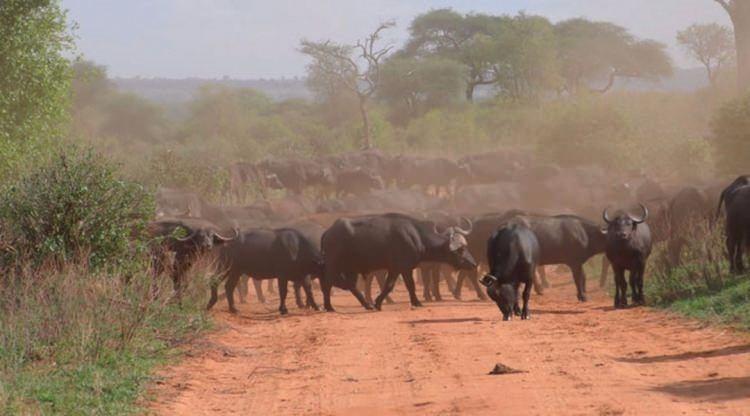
<point x="700" y="268"/>
<point x="76" y="341"/>
<point x="731" y="135"/>
<point x="73" y="206"/>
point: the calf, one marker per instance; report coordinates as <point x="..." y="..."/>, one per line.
<point x="628" y="247"/>
<point x="513" y="254"/>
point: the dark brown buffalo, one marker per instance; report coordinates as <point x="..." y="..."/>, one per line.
<point x="628" y="246"/>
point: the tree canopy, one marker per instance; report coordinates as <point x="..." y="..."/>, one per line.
<point x="35" y="43"/>
<point x="524" y="55"/>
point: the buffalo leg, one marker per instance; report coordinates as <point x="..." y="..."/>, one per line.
<point x="579" y="277"/>
<point x="390" y="282"/>
<point x="637" y="285"/>
<point x="538" y="278"/>
<point x="307" y="286"/>
<point x="451" y="282"/>
<point x="516" y="308"/>
<point x="326" y="285"/>
<point x="282" y="295"/>
<point x="621" y="288"/>
<point x="258" y="284"/>
<point x="525" y="313"/>
<point x="351" y="282"/>
<point x="603" y="274"/>
<point x="459" y="284"/>
<point x="242" y="290"/>
<point x="380" y="276"/>
<point x="367" y="280"/>
<point x="436" y="285"/>
<point x="734" y="248"/>
<point x="214" y="292"/>
<point x="229" y="290"/>
<point x="409" y="282"/>
<point x="426" y="277"/>
<point x="297" y="285"/>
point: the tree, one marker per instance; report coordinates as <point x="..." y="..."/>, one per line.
<point x="34" y="72"/>
<point x="710" y="44"/>
<point x="739" y="12"/>
<point x="592" y="52"/>
<point x="413" y="86"/>
<point x="525" y="56"/>
<point x="355" y="68"/>
<point x="464" y="38"/>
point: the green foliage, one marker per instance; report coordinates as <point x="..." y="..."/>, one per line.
<point x="34" y="78"/>
<point x="731" y="135"/>
<point x="167" y="168"/>
<point x="71" y="207"/>
<point x="414" y="86"/>
<point x="74" y="341"/>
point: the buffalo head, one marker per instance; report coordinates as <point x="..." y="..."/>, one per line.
<point x="622" y="226"/>
<point x="455" y="246"/>
<point x="205" y="238"/>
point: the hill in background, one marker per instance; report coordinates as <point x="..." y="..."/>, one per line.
<point x="171" y="92"/>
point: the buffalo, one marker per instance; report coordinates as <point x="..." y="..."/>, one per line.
<point x="513" y="254"/>
<point x="737" y="226"/>
<point x="261" y="253"/>
<point x="395" y="242"/>
<point x="628" y="247"/>
<point x="202" y="236"/>
<point x="567" y="239"/>
<point x="728" y="193"/>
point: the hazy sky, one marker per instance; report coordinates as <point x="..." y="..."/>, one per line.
<point x="259" y="38"/>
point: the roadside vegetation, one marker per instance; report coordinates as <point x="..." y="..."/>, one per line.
<point x="82" y="325"/>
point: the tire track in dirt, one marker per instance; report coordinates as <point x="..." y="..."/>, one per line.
<point x="577" y="359"/>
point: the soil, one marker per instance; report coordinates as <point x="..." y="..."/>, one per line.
<point x="574" y="359"/>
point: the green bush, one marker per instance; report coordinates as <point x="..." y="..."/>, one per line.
<point x="731" y="135"/>
<point x="74" y="207"/>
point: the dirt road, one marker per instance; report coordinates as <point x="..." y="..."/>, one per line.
<point x="577" y="359"/>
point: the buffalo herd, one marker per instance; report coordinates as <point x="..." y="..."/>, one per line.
<point x="349" y="219"/>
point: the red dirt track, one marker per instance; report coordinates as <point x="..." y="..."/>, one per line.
<point x="577" y="359"/>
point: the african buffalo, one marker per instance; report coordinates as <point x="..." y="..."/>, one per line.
<point x="728" y="193"/>
<point x="357" y="181"/>
<point x="261" y="253"/>
<point x="737" y="226"/>
<point x="394" y="242"/>
<point x="201" y="237"/>
<point x="513" y="254"/>
<point x="628" y="247"/>
<point x="567" y="239"/>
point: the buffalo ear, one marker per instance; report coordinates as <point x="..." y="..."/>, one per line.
<point x="290" y="243"/>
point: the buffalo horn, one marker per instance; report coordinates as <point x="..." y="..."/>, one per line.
<point x="643" y="218"/>
<point x="466" y="231"/>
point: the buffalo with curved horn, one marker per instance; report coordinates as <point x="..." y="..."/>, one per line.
<point x="628" y="247"/>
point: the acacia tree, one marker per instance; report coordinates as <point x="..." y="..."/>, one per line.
<point x="710" y="44"/>
<point x="464" y="38"/>
<point x="739" y="12"/>
<point x="355" y="68"/>
<point x="592" y="52"/>
<point x="413" y="86"/>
